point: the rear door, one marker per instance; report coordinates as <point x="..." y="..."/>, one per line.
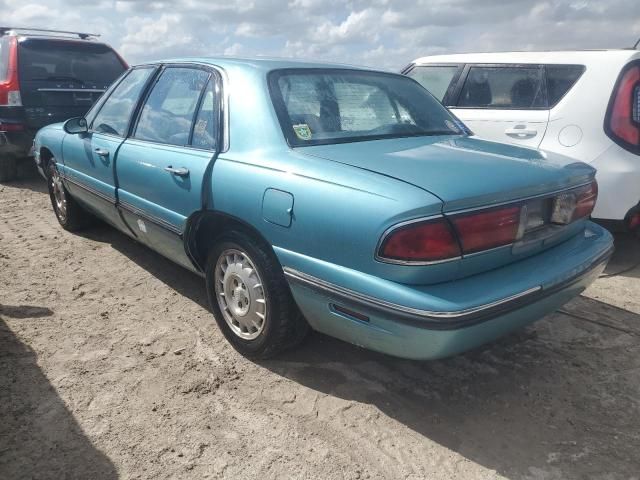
<point x="162" y="166"/>
<point x="60" y="79"/>
<point x="503" y="103"/>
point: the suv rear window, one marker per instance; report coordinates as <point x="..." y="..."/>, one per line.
<point x="560" y="79"/>
<point x="4" y="59"/>
<point x="59" y="60"/>
<point x="436" y="79"/>
<point x="503" y="87"/>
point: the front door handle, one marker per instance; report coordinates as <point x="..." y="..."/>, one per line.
<point x="521" y="131"/>
<point x="102" y="152"/>
<point x="180" y="172"/>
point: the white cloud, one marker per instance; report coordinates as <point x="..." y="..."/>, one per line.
<point x="382" y="33"/>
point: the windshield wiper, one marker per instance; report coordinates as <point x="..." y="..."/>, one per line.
<point x="62" y="78"/>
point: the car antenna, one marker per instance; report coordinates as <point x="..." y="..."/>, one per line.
<point x="636" y="44"/>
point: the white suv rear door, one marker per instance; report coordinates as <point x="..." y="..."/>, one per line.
<point x="504" y="103"/>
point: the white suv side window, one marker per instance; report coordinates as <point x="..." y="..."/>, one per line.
<point x="503" y="87"/>
<point x="436" y="78"/>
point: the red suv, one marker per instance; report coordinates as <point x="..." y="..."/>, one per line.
<point x="47" y="76"/>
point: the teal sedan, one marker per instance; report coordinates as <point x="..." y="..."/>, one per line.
<point x="327" y="197"/>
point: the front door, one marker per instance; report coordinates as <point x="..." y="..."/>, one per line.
<point x="89" y="159"/>
<point x="162" y="167"/>
<point x="504" y="103"/>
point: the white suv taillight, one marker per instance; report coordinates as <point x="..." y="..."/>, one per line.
<point x="622" y="122"/>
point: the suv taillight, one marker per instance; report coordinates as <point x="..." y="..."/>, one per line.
<point x="622" y="122"/>
<point x="10" y="87"/>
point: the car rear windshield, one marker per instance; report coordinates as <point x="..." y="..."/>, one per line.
<point x="324" y="106"/>
<point x="60" y="61"/>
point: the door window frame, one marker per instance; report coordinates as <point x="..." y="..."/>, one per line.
<point x="220" y="107"/>
<point x="455" y="97"/>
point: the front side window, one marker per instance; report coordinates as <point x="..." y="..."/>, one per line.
<point x="503" y="87"/>
<point x="436" y="79"/>
<point x="114" y="115"/>
<point x="169" y="111"/>
<point x="323" y="106"/>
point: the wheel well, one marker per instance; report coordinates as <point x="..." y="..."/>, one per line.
<point x="204" y="227"/>
<point x="45" y="157"/>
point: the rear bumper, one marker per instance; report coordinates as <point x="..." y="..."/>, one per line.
<point x="552" y="278"/>
<point x="16" y="144"/>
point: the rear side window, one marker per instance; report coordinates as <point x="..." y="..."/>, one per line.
<point x="113" y="117"/>
<point x="168" y="113"/>
<point x="4" y="59"/>
<point x="560" y="79"/>
<point x="436" y="79"/>
<point x="503" y="87"/>
<point x="85" y="63"/>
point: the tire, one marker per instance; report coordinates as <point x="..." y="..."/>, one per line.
<point x="250" y="297"/>
<point x="8" y="169"/>
<point x="70" y="215"/>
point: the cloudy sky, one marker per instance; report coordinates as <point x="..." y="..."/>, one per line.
<point x="382" y="33"/>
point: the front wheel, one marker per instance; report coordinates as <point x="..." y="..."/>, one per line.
<point x="70" y="215"/>
<point x="250" y="297"/>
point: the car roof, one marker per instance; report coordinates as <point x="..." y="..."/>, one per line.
<point x="556" y="56"/>
<point x="258" y="63"/>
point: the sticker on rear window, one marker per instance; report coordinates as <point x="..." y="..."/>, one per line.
<point x="303" y="132"/>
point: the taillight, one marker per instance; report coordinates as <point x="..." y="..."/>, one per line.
<point x="585" y="201"/>
<point x="10" y="87"/>
<point x="622" y="122"/>
<point x="488" y="228"/>
<point x="428" y="241"/>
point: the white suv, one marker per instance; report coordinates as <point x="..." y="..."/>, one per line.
<point x="583" y="104"/>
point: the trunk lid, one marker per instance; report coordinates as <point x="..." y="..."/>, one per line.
<point x="463" y="172"/>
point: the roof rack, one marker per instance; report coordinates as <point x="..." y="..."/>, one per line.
<point x="84" y="36"/>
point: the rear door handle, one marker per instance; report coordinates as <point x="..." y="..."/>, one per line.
<point x="180" y="172"/>
<point x="521" y="132"/>
<point x="102" y="152"/>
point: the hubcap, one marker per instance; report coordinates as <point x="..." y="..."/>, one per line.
<point x="240" y="294"/>
<point x="60" y="198"/>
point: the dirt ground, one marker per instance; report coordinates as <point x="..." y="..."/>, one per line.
<point x="112" y="367"/>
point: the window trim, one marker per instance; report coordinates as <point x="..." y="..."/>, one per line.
<point x="214" y="73"/>
<point x="467" y="68"/>
<point x="280" y="108"/>
<point x="453" y="83"/>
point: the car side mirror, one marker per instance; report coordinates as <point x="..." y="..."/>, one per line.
<point x="76" y="125"/>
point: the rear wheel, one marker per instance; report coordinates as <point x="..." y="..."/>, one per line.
<point x="70" y="215"/>
<point x="8" y="169"/>
<point x="250" y="297"/>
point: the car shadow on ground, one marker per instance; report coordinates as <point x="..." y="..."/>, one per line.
<point x="543" y="401"/>
<point x="626" y="259"/>
<point x="39" y="438"/>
